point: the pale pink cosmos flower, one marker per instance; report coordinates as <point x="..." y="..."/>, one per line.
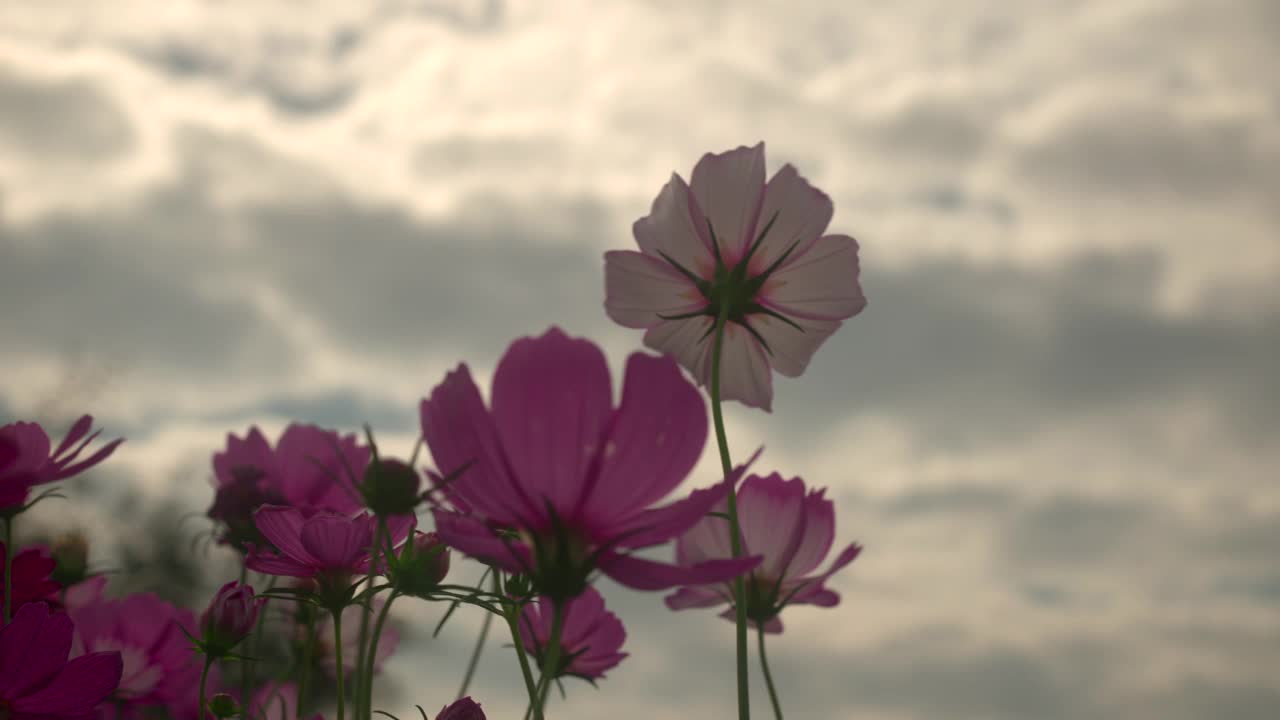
<point x="729" y="241"/>
<point x="557" y="481"/>
<point x="25" y="460"/>
<point x="324" y="545"/>
<point x="792" y="529"/>
<point x="589" y="639"/>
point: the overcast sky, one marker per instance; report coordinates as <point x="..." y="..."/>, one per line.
<point x="1054" y="428"/>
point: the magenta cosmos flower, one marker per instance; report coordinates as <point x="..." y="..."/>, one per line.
<point x="230" y="617"/>
<point x="728" y="242"/>
<point x="557" y="480"/>
<point x="36" y="680"/>
<point x="25" y="460"/>
<point x="462" y="709"/>
<point x="31" y="570"/>
<point x="794" y="532"/>
<point x="325" y="545"/>
<point x="589" y="640"/>
<point x="309" y="468"/>
<point x="159" y="667"/>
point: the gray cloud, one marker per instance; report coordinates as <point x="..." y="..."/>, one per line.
<point x="63" y="122"/>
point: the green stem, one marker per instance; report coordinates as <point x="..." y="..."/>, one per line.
<point x="512" y="615"/>
<point x="372" y="655"/>
<point x="768" y="676"/>
<point x="308" y="659"/>
<point x="735" y="535"/>
<point x="364" y="703"/>
<point x="475" y="654"/>
<point x="204" y="677"/>
<point x="552" y="660"/>
<point x="337" y="656"/>
<point x="8" y="569"/>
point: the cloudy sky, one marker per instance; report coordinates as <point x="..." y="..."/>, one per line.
<point x="1054" y="427"/>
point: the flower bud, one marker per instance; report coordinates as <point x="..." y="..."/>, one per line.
<point x="422" y="565"/>
<point x="223" y="705"/>
<point x="464" y="709"/>
<point x="231" y="616"/>
<point x="71" y="558"/>
<point x="390" y="487"/>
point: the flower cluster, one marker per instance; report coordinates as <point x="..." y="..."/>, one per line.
<point x="549" y="483"/>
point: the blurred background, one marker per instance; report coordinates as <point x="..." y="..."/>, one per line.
<point x="1054" y="428"/>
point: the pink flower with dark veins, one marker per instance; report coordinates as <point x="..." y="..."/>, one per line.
<point x="325" y="545"/>
<point x="25" y="460"/>
<point x="37" y="682"/>
<point x="728" y="242"/>
<point x="589" y="641"/>
<point x="558" y="481"/>
<point x="792" y="529"/>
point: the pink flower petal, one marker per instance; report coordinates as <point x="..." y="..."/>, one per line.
<point x="745" y="375"/>
<point x="675" y="227"/>
<point x="695" y="597"/>
<point x="77" y="431"/>
<point x="272" y="564"/>
<point x="819" y="534"/>
<point x="771" y="515"/>
<point x="811" y="590"/>
<point x="657" y="436"/>
<point x="460" y="433"/>
<point x="729" y="189"/>
<point x="282" y="527"/>
<point x="641" y="574"/>
<point x="551" y="400"/>
<point x="21" y="642"/>
<point x="336" y="542"/>
<point x="474" y="538"/>
<point x="685" y="340"/>
<point x="77" y="690"/>
<point x="640" y="288"/>
<point x="801" y="214"/>
<point x="820" y="284"/>
<point x="792" y="348"/>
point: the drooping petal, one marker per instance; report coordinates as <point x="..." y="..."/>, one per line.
<point x="685" y="340"/>
<point x="793" y="348"/>
<point x="675" y="228"/>
<point x="810" y="589"/>
<point x="336" y="542"/>
<point x="819" y="534"/>
<point x="656" y="437"/>
<point x="460" y="433"/>
<point x="551" y="400"/>
<point x="695" y="597"/>
<point x="641" y="574"/>
<point x="641" y="288"/>
<point x="744" y="369"/>
<point x="821" y="283"/>
<point x="800" y="214"/>
<point x="474" y="538"/>
<point x="83" y="683"/>
<point x="729" y="188"/>
<point x="282" y="527"/>
<point x="771" y="515"/>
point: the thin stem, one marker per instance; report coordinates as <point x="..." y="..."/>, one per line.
<point x="204" y="677"/>
<point x="475" y="654"/>
<point x="371" y="657"/>
<point x="552" y="660"/>
<point x="768" y="676"/>
<point x="512" y="615"/>
<point x="8" y="569"/>
<point x="735" y="536"/>
<point x="308" y="658"/>
<point x="364" y="703"/>
<point x="337" y="656"/>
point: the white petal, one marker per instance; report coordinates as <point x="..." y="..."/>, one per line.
<point x="638" y="288"/>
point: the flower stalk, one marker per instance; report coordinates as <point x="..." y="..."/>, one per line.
<point x="768" y="676"/>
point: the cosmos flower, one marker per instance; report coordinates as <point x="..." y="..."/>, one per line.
<point x="462" y="709"/>
<point x="589" y="640"/>
<point x="36" y="680"/>
<point x="25" y="460"/>
<point x="325" y="545"/>
<point x="31" y="570"/>
<point x="557" y="480"/>
<point x="230" y="617"/>
<point x="729" y="243"/>
<point x="792" y="530"/>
